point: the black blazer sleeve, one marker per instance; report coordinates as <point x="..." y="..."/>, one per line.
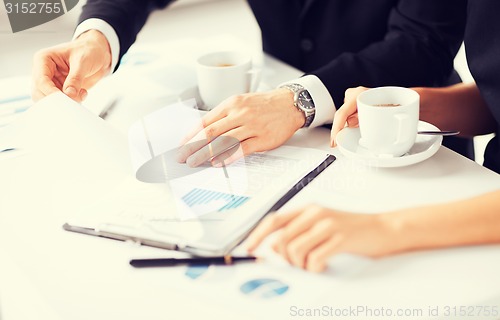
<point x="127" y="17"/>
<point x="418" y="49"/>
<point x="482" y="43"/>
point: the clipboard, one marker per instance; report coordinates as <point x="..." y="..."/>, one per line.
<point x="220" y="237"/>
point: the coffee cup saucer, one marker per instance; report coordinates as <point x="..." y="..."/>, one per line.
<point x="425" y="146"/>
<point x="194" y="93"/>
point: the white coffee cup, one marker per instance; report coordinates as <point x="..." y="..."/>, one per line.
<point x="223" y="74"/>
<point x="388" y="120"/>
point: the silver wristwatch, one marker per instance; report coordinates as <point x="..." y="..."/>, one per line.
<point x="302" y="100"/>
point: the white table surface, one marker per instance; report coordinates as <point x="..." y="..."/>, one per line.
<point x="48" y="273"/>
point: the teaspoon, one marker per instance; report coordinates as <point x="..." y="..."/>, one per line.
<point x="440" y="133"/>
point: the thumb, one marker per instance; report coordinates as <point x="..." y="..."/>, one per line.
<point x="74" y="81"/>
<point x="349" y="108"/>
<point x="338" y="123"/>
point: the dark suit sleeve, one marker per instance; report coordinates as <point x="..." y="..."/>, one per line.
<point x="127" y="17"/>
<point x="418" y="50"/>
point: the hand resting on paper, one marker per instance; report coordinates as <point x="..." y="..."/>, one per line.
<point x="259" y="121"/>
<point x="308" y="237"/>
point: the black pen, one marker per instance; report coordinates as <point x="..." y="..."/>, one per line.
<point x="171" y="262"/>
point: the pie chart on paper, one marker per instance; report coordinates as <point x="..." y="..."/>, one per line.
<point x="264" y="288"/>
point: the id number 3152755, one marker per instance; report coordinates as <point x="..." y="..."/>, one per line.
<point x="471" y="311"/>
<point x="33" y="8"/>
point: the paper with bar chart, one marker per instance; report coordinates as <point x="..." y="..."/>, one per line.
<point x="154" y="147"/>
<point x="218" y="191"/>
<point x="206" y="212"/>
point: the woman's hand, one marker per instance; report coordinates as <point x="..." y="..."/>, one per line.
<point x="347" y="113"/>
<point x="308" y="237"/>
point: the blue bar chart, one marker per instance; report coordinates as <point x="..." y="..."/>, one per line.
<point x="199" y="196"/>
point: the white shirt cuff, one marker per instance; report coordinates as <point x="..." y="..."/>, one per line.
<point x="323" y="102"/>
<point x="107" y="30"/>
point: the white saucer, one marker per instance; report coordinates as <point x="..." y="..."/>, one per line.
<point x="425" y="146"/>
<point x="194" y="93"/>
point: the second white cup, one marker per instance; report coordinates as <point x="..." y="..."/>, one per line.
<point x="388" y="120"/>
<point x="223" y="74"/>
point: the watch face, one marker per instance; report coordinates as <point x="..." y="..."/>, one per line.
<point x="305" y="100"/>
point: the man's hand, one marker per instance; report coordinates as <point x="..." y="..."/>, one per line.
<point x="72" y="67"/>
<point x="259" y="121"/>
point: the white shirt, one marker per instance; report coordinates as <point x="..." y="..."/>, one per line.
<point x="323" y="102"/>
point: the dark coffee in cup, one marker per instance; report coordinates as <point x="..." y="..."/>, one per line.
<point x="225" y="65"/>
<point x="387" y="105"/>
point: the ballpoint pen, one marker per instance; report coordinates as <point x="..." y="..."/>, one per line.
<point x="171" y="262"/>
<point x="106" y="110"/>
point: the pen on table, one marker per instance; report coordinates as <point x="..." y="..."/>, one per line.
<point x="171" y="262"/>
<point x="107" y="109"/>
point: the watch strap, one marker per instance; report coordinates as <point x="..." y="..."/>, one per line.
<point x="296" y="89"/>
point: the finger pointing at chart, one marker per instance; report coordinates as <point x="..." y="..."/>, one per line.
<point x="259" y="121"/>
